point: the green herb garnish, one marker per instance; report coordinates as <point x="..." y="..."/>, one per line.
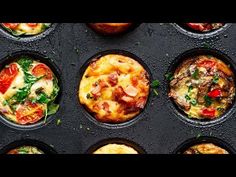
<point x="88" y="96"/>
<point x="187" y="97"/>
<point x="156" y="92"/>
<point x="195" y="75"/>
<point x="193" y="102"/>
<point x="215" y="79"/>
<point x="58" y="121"/>
<point x="190" y="88"/>
<point x="155" y="84"/>
<point x="169" y="76"/>
<point x="208" y="100"/>
<point x="25" y="63"/>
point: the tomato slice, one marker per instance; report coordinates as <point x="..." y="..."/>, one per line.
<point x="209" y="113"/>
<point x="206" y="63"/>
<point x="32" y="25"/>
<point x="196" y="26"/>
<point x="42" y="70"/>
<point x="11" y="25"/>
<point x="215" y="93"/>
<point x="29" y="113"/>
<point x="7" y="75"/>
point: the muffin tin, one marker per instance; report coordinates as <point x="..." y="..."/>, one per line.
<point x="160" y="128"/>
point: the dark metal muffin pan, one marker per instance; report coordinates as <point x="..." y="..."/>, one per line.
<point x="158" y="128"/>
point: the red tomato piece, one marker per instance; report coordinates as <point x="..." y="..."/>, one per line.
<point x="29" y="113"/>
<point x="10" y="25"/>
<point x="206" y="63"/>
<point x="209" y="113"/>
<point x="42" y="70"/>
<point x="215" y="93"/>
<point x="32" y="25"/>
<point x="7" y="75"/>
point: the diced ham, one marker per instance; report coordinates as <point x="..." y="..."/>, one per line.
<point x="113" y="79"/>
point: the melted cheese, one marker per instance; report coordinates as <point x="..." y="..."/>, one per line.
<point x="23" y="28"/>
<point x="115" y="149"/>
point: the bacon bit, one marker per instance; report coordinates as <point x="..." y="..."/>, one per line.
<point x="131" y="91"/>
<point x="141" y="102"/>
<point x="127" y="99"/>
<point x="131" y="108"/>
<point x="113" y="79"/>
<point x="105" y="106"/>
<point x="134" y="81"/>
<point x="118" y="93"/>
<point x="96" y="107"/>
<point x="98" y="87"/>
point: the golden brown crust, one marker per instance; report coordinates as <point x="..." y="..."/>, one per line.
<point x="115" y="149"/>
<point x="206" y="148"/>
<point x="110" y="28"/>
<point x="114" y="88"/>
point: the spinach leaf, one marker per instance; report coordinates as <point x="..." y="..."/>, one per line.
<point x="25" y="63"/>
<point x="52" y="108"/>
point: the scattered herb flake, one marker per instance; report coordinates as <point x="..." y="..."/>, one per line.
<point x="155" y="92"/>
<point x="190" y="88"/>
<point x="215" y="79"/>
<point x="208" y="100"/>
<point x="58" y="121"/>
<point x="155" y="84"/>
<point x="169" y="76"/>
<point x="193" y="102"/>
<point x="187" y="97"/>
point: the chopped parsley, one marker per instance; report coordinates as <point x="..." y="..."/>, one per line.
<point x="195" y="74"/>
<point x="208" y="101"/>
<point x="156" y="92"/>
<point x="215" y="79"/>
<point x="169" y="76"/>
<point x="58" y="121"/>
<point x="187" y="97"/>
<point x="155" y="84"/>
<point x="193" y="102"/>
<point x="88" y="96"/>
<point x="190" y="88"/>
<point x="25" y="63"/>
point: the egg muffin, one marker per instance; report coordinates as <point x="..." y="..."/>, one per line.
<point x="114" y="88"/>
<point x="28" y="89"/>
<point x="25" y="29"/>
<point x="203" y="87"/>
<point x="115" y="149"/>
